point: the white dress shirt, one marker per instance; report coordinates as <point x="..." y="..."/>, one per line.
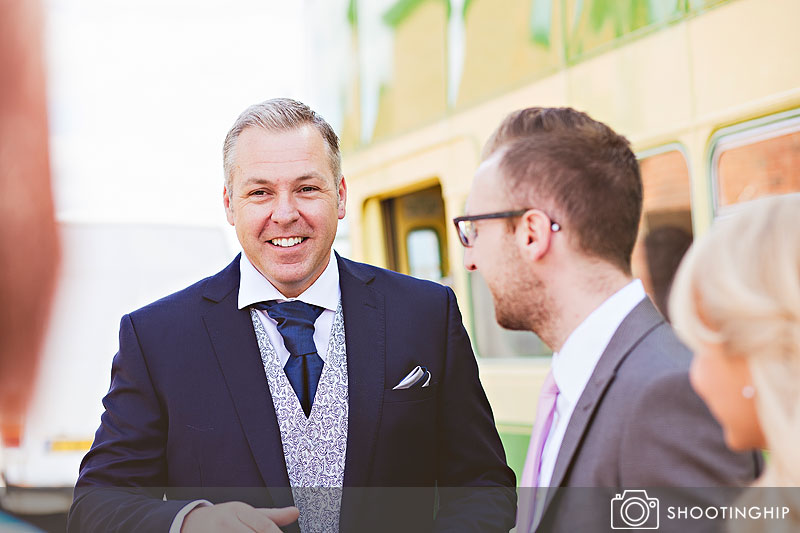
<point x="574" y="364"/>
<point x="324" y="292"/>
<point x="253" y="287"/>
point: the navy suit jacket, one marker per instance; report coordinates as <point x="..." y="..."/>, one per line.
<point x="189" y="414"/>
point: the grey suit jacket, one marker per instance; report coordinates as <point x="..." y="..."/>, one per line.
<point x="639" y="424"/>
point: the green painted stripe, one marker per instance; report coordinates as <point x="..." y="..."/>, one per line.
<point x="400" y="11"/>
<point x="516" y="447"/>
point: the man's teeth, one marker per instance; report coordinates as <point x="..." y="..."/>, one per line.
<point x="287" y="242"/>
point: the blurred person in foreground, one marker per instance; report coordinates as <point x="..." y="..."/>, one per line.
<point x="550" y="223"/>
<point x="28" y="238"/>
<point x="736" y="302"/>
<point x="294" y="367"/>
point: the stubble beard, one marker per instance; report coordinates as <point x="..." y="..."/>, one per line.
<point x="521" y="302"/>
<point x="524" y="309"/>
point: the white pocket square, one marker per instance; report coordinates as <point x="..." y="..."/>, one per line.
<point x="420" y="375"/>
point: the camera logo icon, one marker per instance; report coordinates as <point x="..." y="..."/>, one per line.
<point x="633" y="509"/>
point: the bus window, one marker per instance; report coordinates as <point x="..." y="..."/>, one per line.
<point x="757" y="158"/>
<point x="424" y="254"/>
<point x="665" y="232"/>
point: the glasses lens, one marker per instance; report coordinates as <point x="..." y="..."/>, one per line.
<point x="466" y="231"/>
<point x="460" y="231"/>
<point x="461" y="236"/>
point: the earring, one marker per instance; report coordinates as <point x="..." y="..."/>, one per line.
<point x="748" y="391"/>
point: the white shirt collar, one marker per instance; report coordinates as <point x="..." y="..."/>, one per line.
<point x="254" y="287"/>
<point x="574" y="364"/>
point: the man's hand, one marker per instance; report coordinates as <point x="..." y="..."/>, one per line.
<point x="237" y="517"/>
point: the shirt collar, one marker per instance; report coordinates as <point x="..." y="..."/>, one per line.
<point x="254" y="287"/>
<point x="574" y="364"/>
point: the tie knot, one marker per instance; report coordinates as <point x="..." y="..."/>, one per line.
<point x="295" y="323"/>
<point x="550" y="388"/>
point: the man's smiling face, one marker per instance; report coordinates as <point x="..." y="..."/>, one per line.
<point x="285" y="204"/>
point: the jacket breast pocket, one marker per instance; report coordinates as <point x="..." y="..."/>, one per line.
<point x="417" y="394"/>
<point x="406" y="446"/>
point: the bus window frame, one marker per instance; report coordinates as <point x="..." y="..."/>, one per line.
<point x="744" y="134"/>
<point x="663" y="149"/>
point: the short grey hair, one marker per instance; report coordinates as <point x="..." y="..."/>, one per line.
<point x="276" y="115"/>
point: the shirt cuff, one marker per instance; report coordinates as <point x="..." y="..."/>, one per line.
<point x="177" y="522"/>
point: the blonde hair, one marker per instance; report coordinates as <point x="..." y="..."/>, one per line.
<point x="745" y="276"/>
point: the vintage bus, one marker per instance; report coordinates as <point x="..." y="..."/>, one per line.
<point x="708" y="92"/>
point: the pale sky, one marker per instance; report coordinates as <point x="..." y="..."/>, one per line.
<point x="142" y="92"/>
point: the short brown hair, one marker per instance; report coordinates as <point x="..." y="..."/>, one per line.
<point x="588" y="178"/>
<point x="523" y="122"/>
<point x="280" y="114"/>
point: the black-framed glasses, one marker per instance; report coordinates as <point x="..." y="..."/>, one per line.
<point x="468" y="230"/>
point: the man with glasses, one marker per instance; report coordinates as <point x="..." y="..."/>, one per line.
<point x="551" y="223"/>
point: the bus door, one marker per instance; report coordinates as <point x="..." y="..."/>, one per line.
<point x="415" y="234"/>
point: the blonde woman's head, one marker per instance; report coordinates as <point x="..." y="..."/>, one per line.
<point x="736" y="302"/>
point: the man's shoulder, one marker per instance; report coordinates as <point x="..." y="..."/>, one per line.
<point x="651" y="377"/>
<point x="210" y="289"/>
<point x="656" y="353"/>
<point x="389" y="281"/>
<point x="660" y="351"/>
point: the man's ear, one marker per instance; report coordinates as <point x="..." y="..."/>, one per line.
<point x="226" y="201"/>
<point x="533" y="234"/>
<point x="342" y="194"/>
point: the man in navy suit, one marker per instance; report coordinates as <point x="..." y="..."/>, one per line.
<point x="223" y="415"/>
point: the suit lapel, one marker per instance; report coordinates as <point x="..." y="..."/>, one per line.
<point x="365" y="337"/>
<point x="233" y="338"/>
<point x="639" y="322"/>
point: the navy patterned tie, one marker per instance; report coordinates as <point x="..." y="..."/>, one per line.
<point x="296" y="325"/>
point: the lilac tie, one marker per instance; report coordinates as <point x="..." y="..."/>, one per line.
<point x="533" y="463"/>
